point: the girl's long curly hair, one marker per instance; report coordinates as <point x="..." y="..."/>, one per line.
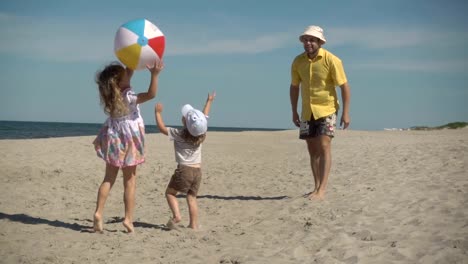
<point x="109" y="90"/>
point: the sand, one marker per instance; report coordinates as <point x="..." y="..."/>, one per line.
<point x="393" y="197"/>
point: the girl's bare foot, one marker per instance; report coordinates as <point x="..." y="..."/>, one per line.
<point x="128" y="225"/>
<point x="97" y="226"/>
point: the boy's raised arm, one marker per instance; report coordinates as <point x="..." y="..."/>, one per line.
<point x="158" y="108"/>
<point x="209" y="100"/>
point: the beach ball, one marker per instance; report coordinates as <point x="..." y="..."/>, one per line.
<point x="139" y="43"/>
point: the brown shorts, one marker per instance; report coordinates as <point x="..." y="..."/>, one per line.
<point x="186" y="179"/>
<point x="318" y="127"/>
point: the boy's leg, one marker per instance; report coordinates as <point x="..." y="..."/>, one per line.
<point x="193" y="210"/>
<point x="173" y="204"/>
<point x="129" y="174"/>
<point x="103" y="193"/>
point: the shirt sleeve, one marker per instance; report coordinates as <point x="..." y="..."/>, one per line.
<point x="131" y="97"/>
<point x="173" y="133"/>
<point x="338" y="73"/>
<point x="295" y="78"/>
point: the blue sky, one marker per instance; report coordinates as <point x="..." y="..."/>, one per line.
<point x="406" y="61"/>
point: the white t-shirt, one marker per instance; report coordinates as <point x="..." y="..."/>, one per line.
<point x="186" y="153"/>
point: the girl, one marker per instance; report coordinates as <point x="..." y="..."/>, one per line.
<point x="120" y="143"/>
<point x="187" y="144"/>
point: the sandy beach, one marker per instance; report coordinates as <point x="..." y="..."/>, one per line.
<point x="393" y="197"/>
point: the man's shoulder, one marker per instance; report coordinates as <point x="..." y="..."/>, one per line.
<point x="300" y="57"/>
<point x="328" y="54"/>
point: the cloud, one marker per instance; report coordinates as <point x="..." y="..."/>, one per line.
<point x="54" y="40"/>
<point x="414" y="66"/>
<point x="93" y="40"/>
<point x="386" y="37"/>
<point x="243" y="45"/>
<point x="400" y="42"/>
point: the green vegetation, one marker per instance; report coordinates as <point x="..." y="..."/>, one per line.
<point x="453" y="125"/>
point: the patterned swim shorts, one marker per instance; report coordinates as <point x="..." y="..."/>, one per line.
<point x="314" y="128"/>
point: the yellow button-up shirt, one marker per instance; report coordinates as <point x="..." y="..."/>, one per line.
<point x="318" y="79"/>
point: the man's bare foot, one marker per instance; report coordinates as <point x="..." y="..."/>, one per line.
<point x="97" y="226"/>
<point x="317" y="196"/>
<point x="128" y="225"/>
<point x="309" y="194"/>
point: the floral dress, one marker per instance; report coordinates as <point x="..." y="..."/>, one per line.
<point x="120" y="141"/>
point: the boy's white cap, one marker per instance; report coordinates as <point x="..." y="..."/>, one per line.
<point x="314" y="31"/>
<point x="195" y="120"/>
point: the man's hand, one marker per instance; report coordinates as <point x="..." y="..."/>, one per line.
<point x="296" y="120"/>
<point x="344" y="123"/>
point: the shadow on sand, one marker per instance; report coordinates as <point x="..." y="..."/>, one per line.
<point x="241" y="198"/>
<point x="30" y="220"/>
<point x="117" y="219"/>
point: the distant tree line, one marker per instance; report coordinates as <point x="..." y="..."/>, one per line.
<point x="452" y="125"/>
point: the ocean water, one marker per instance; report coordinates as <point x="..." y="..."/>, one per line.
<point x="28" y="130"/>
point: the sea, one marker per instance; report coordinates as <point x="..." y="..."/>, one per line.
<point x="30" y="130"/>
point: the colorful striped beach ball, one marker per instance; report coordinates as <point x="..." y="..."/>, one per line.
<point x="139" y="43"/>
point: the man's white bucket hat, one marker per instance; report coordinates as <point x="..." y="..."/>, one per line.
<point x="314" y="31"/>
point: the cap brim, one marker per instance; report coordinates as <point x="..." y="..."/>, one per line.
<point x="321" y="38"/>
<point x="185" y="109"/>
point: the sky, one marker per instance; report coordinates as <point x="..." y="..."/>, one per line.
<point x="406" y="61"/>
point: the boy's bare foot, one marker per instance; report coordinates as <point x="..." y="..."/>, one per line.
<point x="194" y="227"/>
<point x="128" y="225"/>
<point x="97" y="226"/>
<point x="172" y="224"/>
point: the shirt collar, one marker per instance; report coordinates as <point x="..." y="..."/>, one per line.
<point x="319" y="54"/>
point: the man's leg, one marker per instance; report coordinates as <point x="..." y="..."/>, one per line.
<point x="321" y="147"/>
<point x="312" y="147"/>
<point x="325" y="161"/>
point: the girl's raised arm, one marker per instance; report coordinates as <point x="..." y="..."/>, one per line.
<point x="153" y="86"/>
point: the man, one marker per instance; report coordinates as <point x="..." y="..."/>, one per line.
<point x="317" y="73"/>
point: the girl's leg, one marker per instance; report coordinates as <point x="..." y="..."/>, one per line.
<point x="129" y="174"/>
<point x="193" y="210"/>
<point x="103" y="193"/>
<point x="173" y="205"/>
